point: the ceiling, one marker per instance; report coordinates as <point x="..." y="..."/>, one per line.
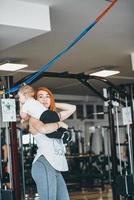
<point x="109" y="43"/>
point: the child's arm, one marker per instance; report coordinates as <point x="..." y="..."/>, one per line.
<point x="66" y="110"/>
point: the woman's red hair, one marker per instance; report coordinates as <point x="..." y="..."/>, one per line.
<point x="52" y="100"/>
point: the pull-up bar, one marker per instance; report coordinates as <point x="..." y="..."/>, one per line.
<point x="83" y="78"/>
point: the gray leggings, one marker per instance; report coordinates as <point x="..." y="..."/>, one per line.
<point x="50" y="183"/>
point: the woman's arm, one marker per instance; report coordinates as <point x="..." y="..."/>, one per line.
<point x="36" y="126"/>
<point x="66" y="110"/>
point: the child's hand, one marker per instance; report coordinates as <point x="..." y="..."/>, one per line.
<point x="22" y="121"/>
<point x="26" y="118"/>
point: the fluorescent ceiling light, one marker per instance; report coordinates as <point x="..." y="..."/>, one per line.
<point x="105" y="73"/>
<point x="12" y="66"/>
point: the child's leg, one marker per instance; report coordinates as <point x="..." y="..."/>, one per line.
<point x="61" y="133"/>
<point x="50" y="117"/>
<point x="55" y="134"/>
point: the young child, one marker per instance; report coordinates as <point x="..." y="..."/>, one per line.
<point x="31" y="107"/>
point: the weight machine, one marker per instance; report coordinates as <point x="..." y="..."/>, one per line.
<point x="121" y="114"/>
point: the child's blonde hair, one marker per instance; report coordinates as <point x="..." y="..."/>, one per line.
<point x="27" y="91"/>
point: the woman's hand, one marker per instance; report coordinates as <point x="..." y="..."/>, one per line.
<point x="63" y="125"/>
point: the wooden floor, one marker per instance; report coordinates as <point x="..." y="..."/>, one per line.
<point x="92" y="195"/>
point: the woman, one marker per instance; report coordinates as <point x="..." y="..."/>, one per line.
<point x="50" y="159"/>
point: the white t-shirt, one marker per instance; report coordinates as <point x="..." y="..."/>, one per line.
<point x="53" y="150"/>
<point x="33" y="108"/>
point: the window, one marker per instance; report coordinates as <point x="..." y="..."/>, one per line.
<point x="100" y="112"/>
<point x="89" y="111"/>
<point x="79" y="111"/>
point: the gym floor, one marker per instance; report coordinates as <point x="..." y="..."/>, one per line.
<point x="94" y="194"/>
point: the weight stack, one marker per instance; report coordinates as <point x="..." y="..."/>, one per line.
<point x="125" y="185"/>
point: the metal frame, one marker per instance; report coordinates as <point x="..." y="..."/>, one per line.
<point x="16" y="188"/>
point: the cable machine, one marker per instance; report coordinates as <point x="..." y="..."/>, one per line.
<point x="121" y="113"/>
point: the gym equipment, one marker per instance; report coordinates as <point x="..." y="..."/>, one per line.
<point x="13" y="161"/>
<point x="7" y="194"/>
<point x="122" y="165"/>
